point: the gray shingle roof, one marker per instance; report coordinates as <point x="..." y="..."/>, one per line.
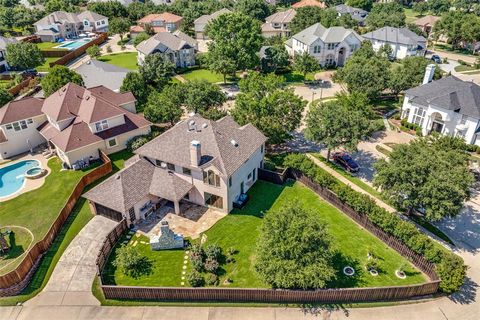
<point x="449" y="93"/>
<point x="163" y="41"/>
<point x="91" y="16"/>
<point x="282" y="16"/>
<point x="96" y="73"/>
<point x="202" y="21"/>
<point x="58" y="17"/>
<point x="395" y="35"/>
<point x="330" y="35"/>
<point x="356" y="13"/>
<point x="215" y="138"/>
<point x="6" y="41"/>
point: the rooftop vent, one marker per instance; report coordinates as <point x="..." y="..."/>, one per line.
<point x="192" y="126"/>
<point x="89" y="62"/>
<point x="191" y="114"/>
<point x="234" y="143"/>
<point x="163" y="165"/>
<point x="205" y="125"/>
<point x="117" y="177"/>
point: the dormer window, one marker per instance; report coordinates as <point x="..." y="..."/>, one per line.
<point x="101" y="125"/>
<point x="210" y="178"/>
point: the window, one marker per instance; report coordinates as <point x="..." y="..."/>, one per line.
<point x="230" y="181"/>
<point x="461" y="134"/>
<point x="9" y="127"/>
<point x="213" y="200"/>
<point x="170" y="166"/>
<point x="101" y="125"/>
<point x="16" y="126"/>
<point x="464" y="119"/>
<point x="330" y="60"/>
<point x="85" y="23"/>
<point x="98" y="23"/>
<point x="158" y="163"/>
<point x="23" y="124"/>
<point x="249" y="176"/>
<point x="210" y="178"/>
<point x="254" y="172"/>
<point x="103" y="21"/>
<point x="111" y="143"/>
<point x="29" y="121"/>
<point x="419" y="116"/>
<point x="331" y="46"/>
<point x="261" y="149"/>
<point x="131" y="214"/>
<point x="316" y="49"/>
<point x="187" y="171"/>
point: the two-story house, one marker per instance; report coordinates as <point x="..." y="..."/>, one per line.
<point x="403" y="42"/>
<point x="158" y="22"/>
<point x="201" y="22"/>
<point x="329" y="46"/>
<point x="278" y="24"/>
<point x="449" y="106"/>
<point x="199" y="161"/>
<point x="61" y="24"/>
<point x="177" y="47"/>
<point x="4" y="42"/>
<point x="357" y="14"/>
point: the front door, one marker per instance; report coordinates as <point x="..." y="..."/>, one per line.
<point x="437" y="127"/>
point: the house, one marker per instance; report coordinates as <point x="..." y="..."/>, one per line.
<point x="201" y="22"/>
<point x="61" y="24"/>
<point x="178" y="47"/>
<point x="19" y="121"/>
<point x="357" y="14"/>
<point x="199" y="161"/>
<point x="126" y="3"/>
<point x="309" y="3"/>
<point x="449" y="106"/>
<point x="158" y="23"/>
<point x="80" y="122"/>
<point x="164" y="2"/>
<point x="278" y="24"/>
<point x="426" y="23"/>
<point x="404" y="42"/>
<point x="97" y="73"/>
<point x="4" y="42"/>
<point x="330" y="46"/>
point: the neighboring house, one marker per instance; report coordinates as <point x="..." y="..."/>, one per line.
<point x="97" y="73"/>
<point x="165" y="2"/>
<point x="123" y="2"/>
<point x="80" y="122"/>
<point x="357" y="14"/>
<point x="309" y="3"/>
<point x="176" y="47"/>
<point x="61" y="24"/>
<point x="3" y="52"/>
<point x="199" y="161"/>
<point x="330" y="46"/>
<point x="159" y="22"/>
<point x="19" y="121"/>
<point x="449" y="106"/>
<point x="404" y="42"/>
<point x="201" y="22"/>
<point x="426" y="23"/>
<point x="278" y="24"/>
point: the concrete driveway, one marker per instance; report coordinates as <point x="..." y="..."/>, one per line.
<point x="72" y="278"/>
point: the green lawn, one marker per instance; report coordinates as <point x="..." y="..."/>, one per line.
<point x="19" y="240"/>
<point x="410" y="15"/>
<point x="295" y="77"/>
<point x="49" y="46"/>
<point x="465" y="68"/>
<point x="126" y="60"/>
<point x="196" y="73"/>
<point x="448" y="48"/>
<point x="45" y="67"/>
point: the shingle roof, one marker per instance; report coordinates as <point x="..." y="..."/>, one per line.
<point x="282" y="16"/>
<point x="449" y="93"/>
<point x="132" y="184"/>
<point x="95" y="73"/>
<point x="215" y="138"/>
<point x="91" y="16"/>
<point x="427" y="20"/>
<point x="330" y="35"/>
<point x="163" y="41"/>
<point x="6" y="41"/>
<point x="20" y="110"/>
<point x="166" y="16"/>
<point x="309" y="3"/>
<point x="202" y="21"/>
<point x="395" y="35"/>
<point x="58" y="17"/>
<point x="356" y="13"/>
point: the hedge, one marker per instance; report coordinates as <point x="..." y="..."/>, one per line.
<point x="449" y="266"/>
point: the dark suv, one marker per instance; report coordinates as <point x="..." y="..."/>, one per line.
<point x="344" y="159"/>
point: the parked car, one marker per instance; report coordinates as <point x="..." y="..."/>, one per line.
<point x="344" y="159"/>
<point x="29" y="72"/>
<point x="436" y="58"/>
<point x="240" y="201"/>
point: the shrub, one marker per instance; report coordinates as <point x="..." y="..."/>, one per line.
<point x="195" y="279"/>
<point x="451" y="271"/>
<point x="231" y="251"/>
<point x="140" y="37"/>
<point x="211" y="279"/>
<point x="132" y="263"/>
<point x="136" y="142"/>
<point x="211" y="265"/>
<point x="213" y="251"/>
<point x="463" y="63"/>
<point x="109" y="49"/>
<point x="197" y="256"/>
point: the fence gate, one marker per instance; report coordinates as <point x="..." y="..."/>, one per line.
<point x="109" y="213"/>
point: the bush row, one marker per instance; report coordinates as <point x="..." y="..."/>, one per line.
<point x="412" y="126"/>
<point x="138" y="141"/>
<point x="449" y="266"/>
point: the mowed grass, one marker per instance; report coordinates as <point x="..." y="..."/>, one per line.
<point x="45" y="67"/>
<point x="18" y="240"/>
<point x="126" y="60"/>
<point x="50" y="46"/>
<point x="205" y="74"/>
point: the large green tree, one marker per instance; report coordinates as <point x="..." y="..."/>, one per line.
<point x="24" y="55"/>
<point x="341" y="122"/>
<point x="57" y="78"/>
<point x="430" y="174"/>
<point x="305" y="63"/>
<point x="5" y="97"/>
<point x="409" y="73"/>
<point x="201" y="95"/>
<point x="156" y="71"/>
<point x="236" y="39"/>
<point x="110" y="9"/>
<point x="308" y="16"/>
<point x="363" y="4"/>
<point x="276" y="57"/>
<point x="386" y="14"/>
<point x="119" y="25"/>
<point x="135" y="83"/>
<point x="164" y="106"/>
<point x="294" y="249"/>
<point x="268" y="105"/>
<point x="256" y="9"/>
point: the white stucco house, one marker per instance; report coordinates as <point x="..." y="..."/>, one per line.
<point x="198" y="161"/>
<point x="404" y="43"/>
<point x="449" y="106"/>
<point x="330" y="46"/>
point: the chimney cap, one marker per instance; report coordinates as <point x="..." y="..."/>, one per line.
<point x="195" y="143"/>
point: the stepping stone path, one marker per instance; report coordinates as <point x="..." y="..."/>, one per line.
<point x="185" y="261"/>
<point x="135" y="243"/>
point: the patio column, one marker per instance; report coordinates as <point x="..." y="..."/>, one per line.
<point x="177" y="206"/>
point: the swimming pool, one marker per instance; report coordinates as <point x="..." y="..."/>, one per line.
<point x="72" y="45"/>
<point x="12" y="176"/>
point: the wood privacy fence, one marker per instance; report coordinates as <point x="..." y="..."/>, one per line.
<point x="19" y="277"/>
<point x="342" y="295"/>
<point x="102" y="37"/>
<point x="15" y="90"/>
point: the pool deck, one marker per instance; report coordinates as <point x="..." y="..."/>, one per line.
<point x="29" y="184"/>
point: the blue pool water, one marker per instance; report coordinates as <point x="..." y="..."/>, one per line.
<point x="11" y="176"/>
<point x="72" y="45"/>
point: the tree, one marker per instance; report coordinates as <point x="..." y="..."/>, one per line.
<point x="385" y="51"/>
<point x="342" y="122"/>
<point x="156" y="70"/>
<point x="421" y="7"/>
<point x="135" y="83"/>
<point x="110" y="9"/>
<point x="269" y="106"/>
<point x="294" y="249"/>
<point x="93" y="51"/>
<point x="365" y="71"/>
<point x="256" y="9"/>
<point x="414" y="178"/>
<point x="410" y="74"/>
<point x="236" y="39"/>
<point x="439" y="6"/>
<point x="305" y="63"/>
<point x="58" y="77"/>
<point x="131" y="262"/>
<point x="308" y="16"/>
<point x="5" y="97"/>
<point x="200" y="95"/>
<point x="142" y="36"/>
<point x="161" y="108"/>
<point x="276" y="57"/>
<point x="219" y="63"/>
<point x="120" y="26"/>
<point x="363" y="4"/>
<point x="386" y="14"/>
<point x="471" y="31"/>
<point x="24" y="55"/>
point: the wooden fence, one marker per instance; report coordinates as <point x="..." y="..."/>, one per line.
<point x="19" y="87"/>
<point x="102" y="37"/>
<point x="275" y="295"/>
<point x="19" y="275"/>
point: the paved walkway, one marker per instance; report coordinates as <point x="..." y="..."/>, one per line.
<point x="72" y="278"/>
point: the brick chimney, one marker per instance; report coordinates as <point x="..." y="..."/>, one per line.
<point x="195" y="153"/>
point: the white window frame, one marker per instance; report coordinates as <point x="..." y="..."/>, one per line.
<point x="101" y="125"/>
<point x="112" y="139"/>
<point x="317" y="49"/>
<point x="419" y="116"/>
